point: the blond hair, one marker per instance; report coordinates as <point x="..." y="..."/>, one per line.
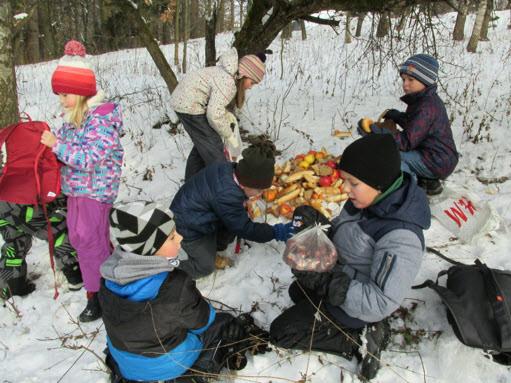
<point x="76" y="114"/>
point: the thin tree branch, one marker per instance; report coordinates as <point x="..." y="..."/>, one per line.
<point x="318" y="20"/>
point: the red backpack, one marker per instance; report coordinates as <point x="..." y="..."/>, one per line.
<point x="31" y="172"/>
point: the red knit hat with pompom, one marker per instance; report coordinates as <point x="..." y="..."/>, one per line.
<point x="74" y="74"/>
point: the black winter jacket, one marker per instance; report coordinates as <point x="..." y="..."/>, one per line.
<point x="156" y="326"/>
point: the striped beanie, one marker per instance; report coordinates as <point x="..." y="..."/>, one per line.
<point x="74" y="74"/>
<point x="421" y="67"/>
<point x="141" y="227"/>
<point x="252" y="66"/>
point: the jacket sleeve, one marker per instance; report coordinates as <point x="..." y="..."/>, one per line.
<point x="396" y="262"/>
<point x="195" y="312"/>
<point x="235" y="218"/>
<point x="100" y="139"/>
<point x="216" y="112"/>
<point x="414" y="131"/>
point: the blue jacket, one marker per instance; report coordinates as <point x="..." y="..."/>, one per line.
<point x="426" y="129"/>
<point x="381" y="249"/>
<point x="212" y="198"/>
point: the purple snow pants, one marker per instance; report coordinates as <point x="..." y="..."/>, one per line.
<point x="89" y="233"/>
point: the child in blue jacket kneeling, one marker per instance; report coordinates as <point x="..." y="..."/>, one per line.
<point x="159" y="327"/>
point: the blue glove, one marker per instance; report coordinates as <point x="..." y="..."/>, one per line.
<point x="283" y="231"/>
<point x="377" y="130"/>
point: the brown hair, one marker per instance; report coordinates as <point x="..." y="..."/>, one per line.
<point x="240" y="93"/>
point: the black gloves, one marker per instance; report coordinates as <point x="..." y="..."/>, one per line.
<point x="315" y="282"/>
<point x="334" y="286"/>
<point x="239" y="336"/>
<point x="338" y="287"/>
<point x="233" y="339"/>
<point x="306" y="216"/>
<point x="257" y="337"/>
<point x="393" y="114"/>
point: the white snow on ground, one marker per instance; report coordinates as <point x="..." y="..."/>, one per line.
<point x="322" y="84"/>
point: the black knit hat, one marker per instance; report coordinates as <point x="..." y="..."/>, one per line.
<point x="141" y="227"/>
<point x="374" y="160"/>
<point x="257" y="167"/>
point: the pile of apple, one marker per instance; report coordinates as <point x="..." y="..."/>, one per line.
<point x="307" y="179"/>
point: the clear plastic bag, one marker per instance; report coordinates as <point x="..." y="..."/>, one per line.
<point x="311" y="250"/>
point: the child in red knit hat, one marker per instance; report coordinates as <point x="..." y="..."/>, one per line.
<point x="89" y="145"/>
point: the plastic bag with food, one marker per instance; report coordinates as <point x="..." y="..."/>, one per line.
<point x="311" y="250"/>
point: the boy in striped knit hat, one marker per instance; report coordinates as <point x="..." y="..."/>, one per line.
<point x="159" y="327"/>
<point x="426" y="143"/>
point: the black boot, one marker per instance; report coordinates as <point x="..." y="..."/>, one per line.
<point x="431" y="186"/>
<point x="378" y="336"/>
<point x="20" y="286"/>
<point x="73" y="276"/>
<point x="92" y="311"/>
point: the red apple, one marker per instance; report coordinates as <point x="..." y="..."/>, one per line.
<point x="331" y="163"/>
<point x="325" y="181"/>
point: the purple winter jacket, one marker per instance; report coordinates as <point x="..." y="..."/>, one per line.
<point x="427" y="130"/>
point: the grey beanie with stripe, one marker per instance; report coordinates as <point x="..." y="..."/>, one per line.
<point x="141" y="227"/>
<point x="422" y="67"/>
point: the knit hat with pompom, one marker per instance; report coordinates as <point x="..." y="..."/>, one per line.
<point x="74" y="74"/>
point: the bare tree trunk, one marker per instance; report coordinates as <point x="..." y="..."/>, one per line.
<point x="32" y="46"/>
<point x="196" y="24"/>
<point x="486" y="21"/>
<point x="241" y="12"/>
<point x="232" y="15"/>
<point x="221" y="17"/>
<point x="476" y="31"/>
<point x="347" y="33"/>
<point x="46" y="29"/>
<point x="402" y="20"/>
<point x="210" y="37"/>
<point x="186" y="33"/>
<point x="176" y="34"/>
<point x="287" y="32"/>
<point x="383" y="25"/>
<point x="151" y="45"/>
<point x="360" y="21"/>
<point x="8" y="94"/>
<point x="303" y="29"/>
<point x="459" y="26"/>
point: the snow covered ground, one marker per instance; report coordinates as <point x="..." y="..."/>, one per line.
<point x="320" y="85"/>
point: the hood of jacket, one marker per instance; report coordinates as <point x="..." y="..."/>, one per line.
<point x="228" y="61"/>
<point x="123" y="267"/>
<point x="407" y="204"/>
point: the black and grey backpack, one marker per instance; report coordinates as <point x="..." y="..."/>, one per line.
<point x="478" y="301"/>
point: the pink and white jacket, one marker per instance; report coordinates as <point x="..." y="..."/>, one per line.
<point x="92" y="153"/>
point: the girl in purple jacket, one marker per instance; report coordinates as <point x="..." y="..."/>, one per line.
<point x="89" y="146"/>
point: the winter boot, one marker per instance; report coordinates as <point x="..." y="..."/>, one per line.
<point x="20" y="286"/>
<point x="222" y="261"/>
<point x="73" y="276"/>
<point x="430" y="185"/>
<point x="378" y="336"/>
<point x="93" y="310"/>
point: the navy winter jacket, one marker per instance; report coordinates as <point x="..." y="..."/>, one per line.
<point x="426" y="129"/>
<point x="212" y="198"/>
